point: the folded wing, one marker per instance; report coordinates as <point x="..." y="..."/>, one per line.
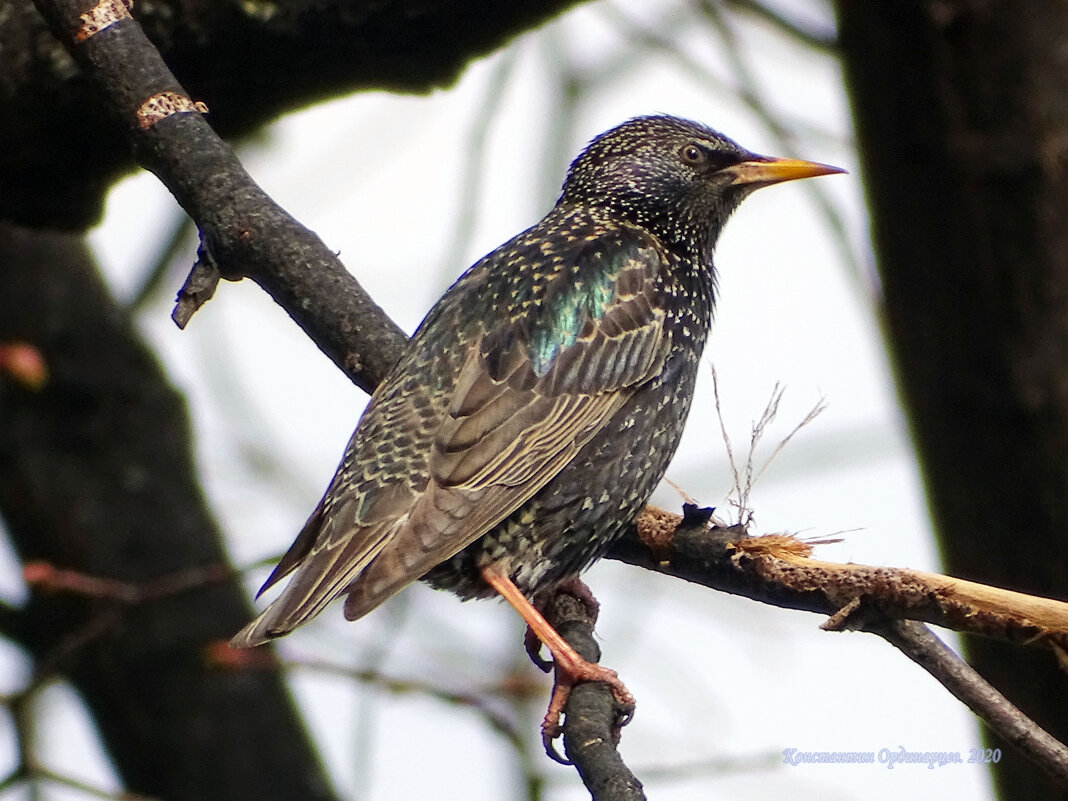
<point x="533" y="388"/>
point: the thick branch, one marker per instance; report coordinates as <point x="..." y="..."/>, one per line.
<point x="244" y="232"/>
<point x="250" y="62"/>
<point x="779" y="570"/>
<point x="887" y="601"/>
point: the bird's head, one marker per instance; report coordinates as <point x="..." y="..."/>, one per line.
<point x="676" y="178"/>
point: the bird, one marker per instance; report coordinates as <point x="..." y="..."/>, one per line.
<point x="540" y="401"/>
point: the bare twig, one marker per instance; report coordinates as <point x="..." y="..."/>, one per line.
<point x="152" y="279"/>
<point x="468" y="190"/>
<point x="28" y="769"/>
<point x="738" y="489"/>
<point x="917" y="642"/>
<point x="478" y="702"/>
<point x="767" y="417"/>
<point x="813" y="413"/>
<point x="744" y="478"/>
<point x="38" y="773"/>
<point x="591" y="723"/>
<point x="49" y="578"/>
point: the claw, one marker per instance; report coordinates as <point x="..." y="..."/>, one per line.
<point x="551" y="728"/>
<point x="570" y="672"/>
<point x="533" y="648"/>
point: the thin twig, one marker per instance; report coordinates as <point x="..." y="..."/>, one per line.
<point x="767" y="417"/>
<point x="736" y="488"/>
<point x="182" y="230"/>
<point x="478" y="702"/>
<point x="38" y="773"/>
<point x="920" y="645"/>
<point x="744" y="479"/>
<point x="49" y="578"/>
<point x="813" y="413"/>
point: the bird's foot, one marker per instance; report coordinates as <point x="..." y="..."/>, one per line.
<point x="576" y="588"/>
<point x="572" y="669"/>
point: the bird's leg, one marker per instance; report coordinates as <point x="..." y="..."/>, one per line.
<point x="571" y="668"/>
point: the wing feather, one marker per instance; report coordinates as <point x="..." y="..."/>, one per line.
<point x="509" y="431"/>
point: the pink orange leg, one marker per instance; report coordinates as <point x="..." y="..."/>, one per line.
<point x="571" y="668"/>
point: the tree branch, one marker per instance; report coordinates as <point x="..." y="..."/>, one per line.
<point x="779" y="570"/>
<point x="823" y="41"/>
<point x="776" y="569"/>
<point x="591" y="723"/>
<point x="920" y="645"/>
<point x="250" y="62"/>
<point x="243" y="232"/>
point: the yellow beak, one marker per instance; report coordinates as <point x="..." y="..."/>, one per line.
<point x="767" y="170"/>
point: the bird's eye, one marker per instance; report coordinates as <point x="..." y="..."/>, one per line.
<point x="693" y="154"/>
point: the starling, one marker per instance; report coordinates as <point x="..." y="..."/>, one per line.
<point x="540" y="401"/>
